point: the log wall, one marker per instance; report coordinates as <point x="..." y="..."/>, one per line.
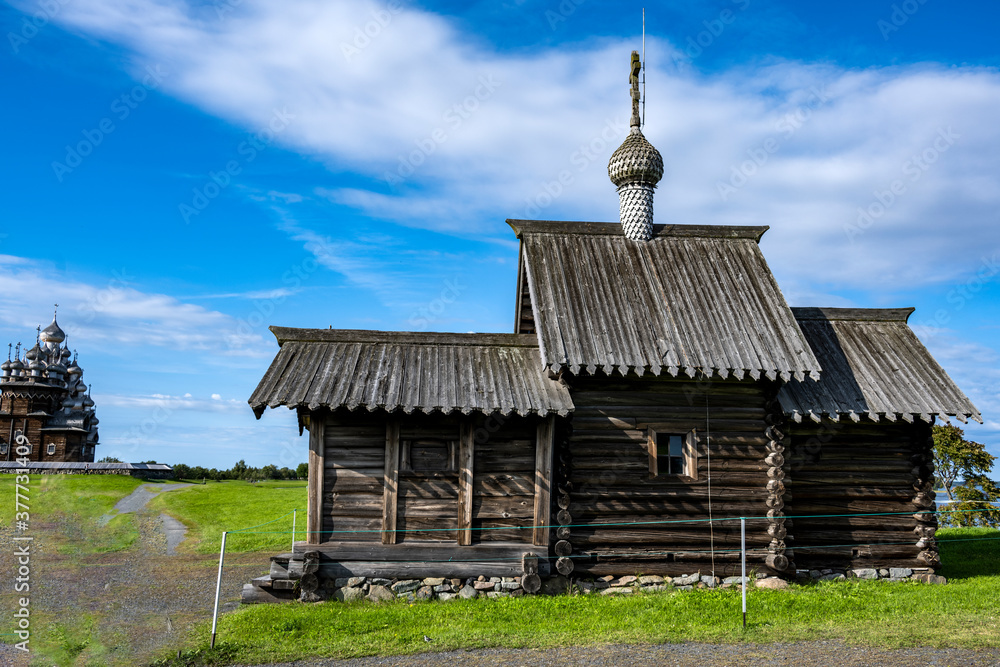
<point x="604" y="467"/>
<point x="354" y="463"/>
<point x="427" y="503"/>
<point x="862" y="468"/>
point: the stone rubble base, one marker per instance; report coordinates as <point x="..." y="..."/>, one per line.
<point x="347" y="589"/>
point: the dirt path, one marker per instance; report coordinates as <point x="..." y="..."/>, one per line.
<point x="137" y="500"/>
<point x="800" y="654"/>
<point x="125" y="608"/>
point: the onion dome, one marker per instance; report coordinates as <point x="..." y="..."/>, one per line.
<point x="34" y="353"/>
<point x="66" y="354"/>
<point x="16" y="367"/>
<point x="635" y="161"/>
<point x="635" y="168"/>
<point x="5" y="368"/>
<point x="88" y="402"/>
<point x="52" y="333"/>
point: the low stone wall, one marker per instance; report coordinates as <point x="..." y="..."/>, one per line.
<point x="290" y="580"/>
<point x="923" y="574"/>
<point x="295" y="577"/>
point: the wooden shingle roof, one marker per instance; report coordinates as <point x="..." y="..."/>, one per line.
<point x="424" y="372"/>
<point x="874" y="366"/>
<point x="693" y="299"/>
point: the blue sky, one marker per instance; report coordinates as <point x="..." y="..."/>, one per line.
<point x="179" y="176"/>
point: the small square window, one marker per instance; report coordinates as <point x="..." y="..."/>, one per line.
<point x="51" y="450"/>
<point x="3" y="448"/>
<point x="672" y="454"/>
<point x="429" y="455"/>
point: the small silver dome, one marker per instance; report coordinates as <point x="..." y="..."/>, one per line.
<point x="52" y="333"/>
<point x="635" y="161"/>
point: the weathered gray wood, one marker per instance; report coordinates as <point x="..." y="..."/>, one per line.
<point x="391" y="482"/>
<point x="466" y="466"/>
<point x="565" y="566"/>
<point x="314" y="496"/>
<point x="253" y="595"/>
<point x="652" y="463"/>
<point x="504" y="484"/>
<point x="544" y="449"/>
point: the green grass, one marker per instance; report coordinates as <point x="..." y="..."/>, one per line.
<point x="208" y="510"/>
<point x="965" y="613"/>
<point x="74" y="504"/>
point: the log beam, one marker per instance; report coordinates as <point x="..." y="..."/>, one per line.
<point x="390" y="481"/>
<point x="317" y="469"/>
<point x="544" y="446"/>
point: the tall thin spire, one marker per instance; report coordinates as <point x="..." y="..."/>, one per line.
<point x="636" y="167"/>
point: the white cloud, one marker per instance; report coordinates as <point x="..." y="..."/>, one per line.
<point x="839" y="136"/>
<point x="169" y="404"/>
<point x="116" y="314"/>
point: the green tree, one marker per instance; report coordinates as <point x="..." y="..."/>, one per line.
<point x="956" y="458"/>
<point x="109" y="459"/>
<point x="302" y="471"/>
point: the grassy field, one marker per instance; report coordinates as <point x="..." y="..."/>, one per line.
<point x="965" y="613"/>
<point x="69" y="508"/>
<point x="208" y="510"/>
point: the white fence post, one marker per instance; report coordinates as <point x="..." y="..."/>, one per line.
<point x="293" y="530"/>
<point x="743" y="558"/>
<point x="218" y="588"/>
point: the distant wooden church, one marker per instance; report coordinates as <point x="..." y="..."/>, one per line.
<point x="43" y="397"/>
<point x="656" y="379"/>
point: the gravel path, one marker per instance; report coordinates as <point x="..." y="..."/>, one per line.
<point x="136" y="501"/>
<point x="174" y="531"/>
<point x="801" y="654"/>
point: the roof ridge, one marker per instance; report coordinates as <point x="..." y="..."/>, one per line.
<point x="852" y="314"/>
<point x="566" y="227"/>
<point x="291" y="334"/>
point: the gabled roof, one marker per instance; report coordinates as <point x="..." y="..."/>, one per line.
<point x="424" y="372"/>
<point x="873" y="365"/>
<point x="693" y="299"/>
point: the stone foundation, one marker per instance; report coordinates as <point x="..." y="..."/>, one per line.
<point x="296" y="580"/>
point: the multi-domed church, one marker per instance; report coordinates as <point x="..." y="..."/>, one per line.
<point x="43" y="397"/>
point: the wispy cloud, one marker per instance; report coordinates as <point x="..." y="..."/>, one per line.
<point x="114" y="313"/>
<point x="417" y="89"/>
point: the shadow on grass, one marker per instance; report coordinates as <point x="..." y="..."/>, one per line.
<point x="969" y="552"/>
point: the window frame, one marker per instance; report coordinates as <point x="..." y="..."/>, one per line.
<point x="405" y="463"/>
<point x="689" y="452"/>
<point x="50" y="449"/>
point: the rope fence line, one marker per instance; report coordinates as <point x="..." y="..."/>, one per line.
<point x="616" y="523"/>
<point x="743" y="550"/>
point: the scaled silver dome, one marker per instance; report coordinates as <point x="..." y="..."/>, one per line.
<point x="635" y="161"/>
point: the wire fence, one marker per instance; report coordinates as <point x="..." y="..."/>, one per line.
<point x="733" y="548"/>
